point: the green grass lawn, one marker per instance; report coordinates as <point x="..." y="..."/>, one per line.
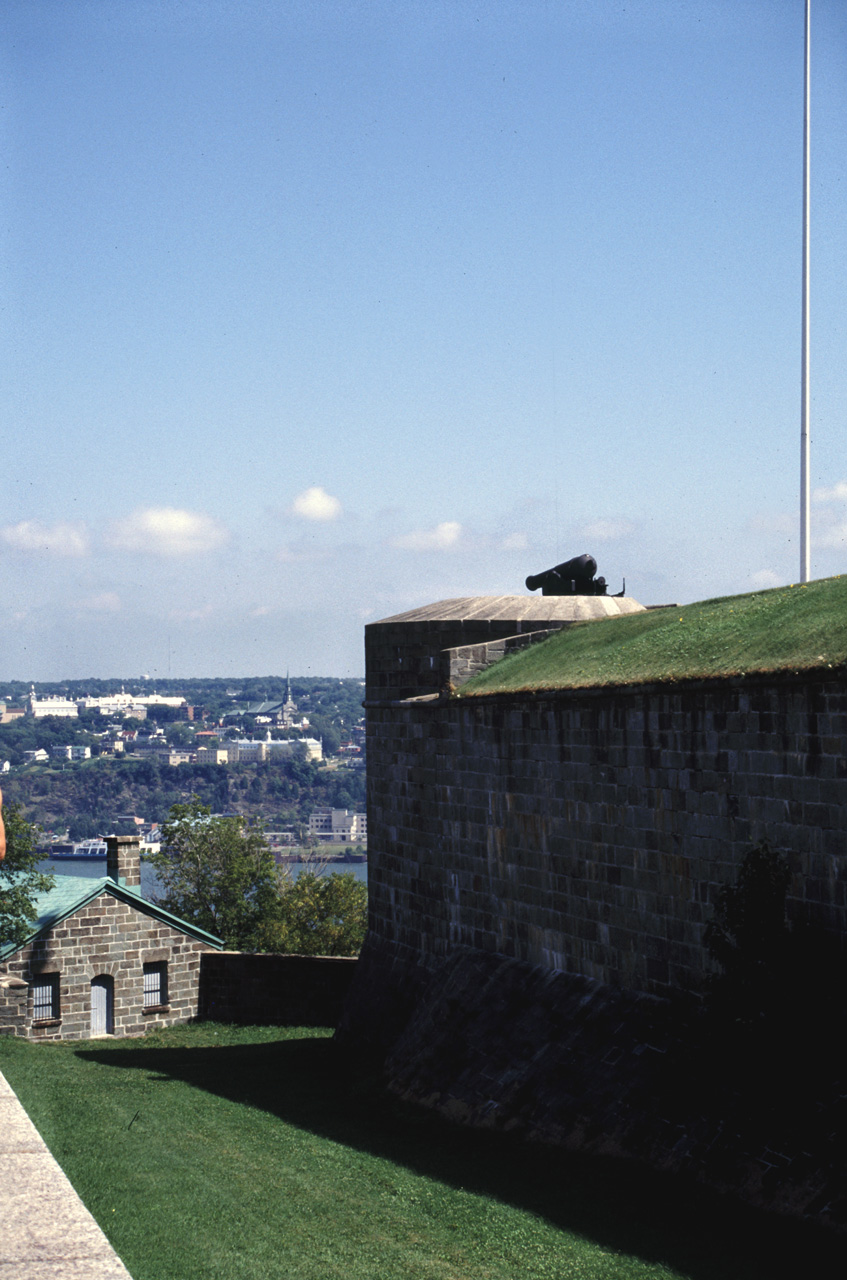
<point x="232" y="1153"/>
<point x="790" y="628"/>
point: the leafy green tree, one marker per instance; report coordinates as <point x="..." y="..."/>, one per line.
<point x="322" y="727"/>
<point x="321" y="915"/>
<point x="83" y="827"/>
<point x="218" y="873"/>
<point x="20" y="879"/>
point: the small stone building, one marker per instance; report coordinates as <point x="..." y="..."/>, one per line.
<point x="101" y="959"/>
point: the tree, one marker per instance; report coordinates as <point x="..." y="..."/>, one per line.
<point x="750" y="939"/>
<point x="20" y="879"/>
<point x="83" y="827"/>
<point x="219" y="874"/>
<point x="321" y="915"/>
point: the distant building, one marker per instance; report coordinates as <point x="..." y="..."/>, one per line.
<point x="157" y="746"/>
<point x="52" y="706"/>
<point x="339" y="826"/>
<point x="123" y="704"/>
<point x="246" y="751"/>
<point x="128" y="705"/>
<point x="252" y="750"/>
<point x="279" y="839"/>
<point x="36" y="757"/>
<point x="161" y="700"/>
<point x="289" y="707"/>
<point x="284" y="714"/>
<point x="71" y="753"/>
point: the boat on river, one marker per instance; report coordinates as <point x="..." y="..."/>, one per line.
<point x="82" y="850"/>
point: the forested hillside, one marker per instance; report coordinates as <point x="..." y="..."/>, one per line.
<point x="88" y="798"/>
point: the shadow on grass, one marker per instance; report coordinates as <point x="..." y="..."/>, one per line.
<point x="311" y="1084"/>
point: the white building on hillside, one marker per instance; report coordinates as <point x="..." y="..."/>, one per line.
<point x="339" y="826"/>
<point x="55" y="705"/>
<point x="128" y="704"/>
<point x="71" y="753"/>
<point x="254" y="750"/>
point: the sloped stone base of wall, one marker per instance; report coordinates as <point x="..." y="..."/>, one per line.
<point x="493" y="1042"/>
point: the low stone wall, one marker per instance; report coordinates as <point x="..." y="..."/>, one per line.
<point x="266" y="989"/>
<point x="459" y="664"/>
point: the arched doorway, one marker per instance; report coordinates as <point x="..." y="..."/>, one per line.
<point x="102" y="1005"/>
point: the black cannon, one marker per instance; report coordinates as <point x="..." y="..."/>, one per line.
<point x="573" y="578"/>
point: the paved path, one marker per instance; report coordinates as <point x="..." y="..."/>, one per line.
<point x="46" y="1232"/>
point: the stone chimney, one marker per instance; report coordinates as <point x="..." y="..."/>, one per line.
<point x="123" y="859"/>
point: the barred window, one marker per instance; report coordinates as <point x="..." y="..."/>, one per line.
<point x="155" y="984"/>
<point x="45" y="997"/>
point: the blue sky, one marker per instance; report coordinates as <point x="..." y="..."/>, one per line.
<point x="318" y="312"/>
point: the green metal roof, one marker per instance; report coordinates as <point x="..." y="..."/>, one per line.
<point x="70" y="893"/>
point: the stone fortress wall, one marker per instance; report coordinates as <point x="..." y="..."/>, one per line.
<point x="589" y="831"/>
<point x="541" y="870"/>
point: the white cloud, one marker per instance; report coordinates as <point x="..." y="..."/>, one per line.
<point x="316" y="504"/>
<point x="762" y="579"/>
<point x="833" y="536"/>
<point x="838" y="493"/>
<point x="167" y="531"/>
<point x="61" y="539"/>
<point x="440" y="538"/>
<point x="515" y="542"/>
<point x="102" y="602"/>
<point x="192" y="615"/>
<point x="830" y="527"/>
<point x="608" y="530"/>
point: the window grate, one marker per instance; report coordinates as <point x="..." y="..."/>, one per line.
<point x="155" y="984"/>
<point x="45" y="998"/>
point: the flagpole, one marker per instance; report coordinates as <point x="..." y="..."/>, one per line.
<point x="805" y="549"/>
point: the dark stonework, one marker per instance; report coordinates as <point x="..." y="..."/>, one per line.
<point x="527" y="852"/>
<point x="274" y="990"/>
<point x="590" y="832"/>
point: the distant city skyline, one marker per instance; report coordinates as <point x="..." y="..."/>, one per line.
<point x="314" y="314"/>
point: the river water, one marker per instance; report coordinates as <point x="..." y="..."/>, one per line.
<point x="96" y="867"/>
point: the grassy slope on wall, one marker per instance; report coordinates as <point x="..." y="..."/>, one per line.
<point x="789" y="628"/>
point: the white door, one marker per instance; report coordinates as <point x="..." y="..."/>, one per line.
<point x="102" y="1005"/>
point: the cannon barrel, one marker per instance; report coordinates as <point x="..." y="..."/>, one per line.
<point x="580" y="570"/>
